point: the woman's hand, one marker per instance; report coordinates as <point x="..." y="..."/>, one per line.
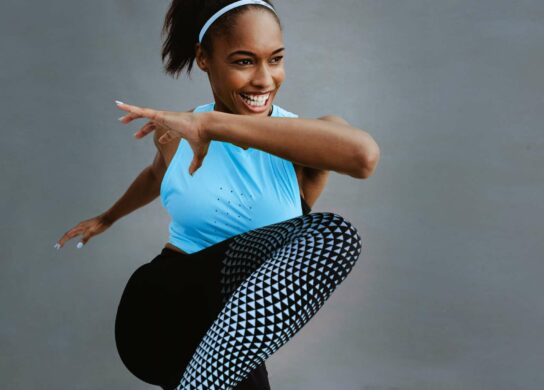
<point x="88" y="228"/>
<point x="186" y="125"/>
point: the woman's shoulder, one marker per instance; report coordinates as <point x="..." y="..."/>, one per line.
<point x="204" y="107"/>
<point x="280" y="111"/>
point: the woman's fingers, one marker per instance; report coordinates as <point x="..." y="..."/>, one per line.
<point x="145" y="130"/>
<point x="86" y="237"/>
<point x="167" y="137"/>
<point x="156" y="118"/>
<point x="87" y="229"/>
<point x="128" y="118"/>
<point x="69" y="235"/>
<point x="142" y="112"/>
<point x="198" y="158"/>
<point x="195" y="164"/>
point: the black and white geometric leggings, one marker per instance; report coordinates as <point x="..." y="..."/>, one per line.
<point x="210" y="319"/>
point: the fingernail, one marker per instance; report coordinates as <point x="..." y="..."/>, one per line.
<point x="79" y="245"/>
<point x="57" y="246"/>
<point x="119" y="102"/>
<point x="120" y="119"/>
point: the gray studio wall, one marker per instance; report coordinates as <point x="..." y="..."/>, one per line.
<point x="446" y="294"/>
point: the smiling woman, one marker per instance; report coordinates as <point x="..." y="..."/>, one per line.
<point x="247" y="264"/>
<point x="247" y="72"/>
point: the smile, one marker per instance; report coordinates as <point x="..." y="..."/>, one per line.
<point x="255" y="102"/>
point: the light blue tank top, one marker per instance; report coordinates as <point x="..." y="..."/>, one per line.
<point x="234" y="191"/>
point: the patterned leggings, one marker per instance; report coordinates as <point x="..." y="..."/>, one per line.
<point x="257" y="290"/>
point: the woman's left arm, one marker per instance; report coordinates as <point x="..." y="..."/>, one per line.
<point x="327" y="143"/>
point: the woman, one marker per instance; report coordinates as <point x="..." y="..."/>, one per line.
<point x="246" y="265"/>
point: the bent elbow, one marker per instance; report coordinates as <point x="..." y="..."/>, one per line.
<point x="369" y="164"/>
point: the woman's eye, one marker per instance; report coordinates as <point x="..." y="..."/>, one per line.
<point x="239" y="62"/>
<point x="247" y="61"/>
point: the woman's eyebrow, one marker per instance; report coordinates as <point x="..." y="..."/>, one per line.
<point x="249" y="53"/>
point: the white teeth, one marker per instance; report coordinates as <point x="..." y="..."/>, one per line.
<point x="255" y="100"/>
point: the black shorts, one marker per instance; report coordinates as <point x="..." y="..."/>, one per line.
<point x="166" y="308"/>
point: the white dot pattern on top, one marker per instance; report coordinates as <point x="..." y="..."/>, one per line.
<point x="275" y="279"/>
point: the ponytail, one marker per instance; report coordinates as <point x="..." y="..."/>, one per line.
<point x="182" y="24"/>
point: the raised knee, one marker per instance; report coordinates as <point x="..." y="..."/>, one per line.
<point x="336" y="223"/>
<point x="340" y="235"/>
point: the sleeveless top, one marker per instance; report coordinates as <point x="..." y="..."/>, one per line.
<point x="234" y="191"/>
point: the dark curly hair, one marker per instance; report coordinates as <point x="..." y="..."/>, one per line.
<point x="182" y="24"/>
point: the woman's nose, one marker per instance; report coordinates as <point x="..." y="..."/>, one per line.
<point x="262" y="78"/>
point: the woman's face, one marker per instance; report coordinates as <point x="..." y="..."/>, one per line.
<point x="248" y="62"/>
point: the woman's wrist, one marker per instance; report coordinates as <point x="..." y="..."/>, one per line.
<point x="206" y="120"/>
<point x="107" y="217"/>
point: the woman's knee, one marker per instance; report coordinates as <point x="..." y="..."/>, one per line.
<point x="340" y="237"/>
<point x="339" y="226"/>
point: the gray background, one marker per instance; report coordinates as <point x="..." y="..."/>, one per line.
<point x="446" y="294"/>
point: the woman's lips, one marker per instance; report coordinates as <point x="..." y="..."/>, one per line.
<point x="262" y="108"/>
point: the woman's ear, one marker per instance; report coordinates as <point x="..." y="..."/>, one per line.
<point x="200" y="58"/>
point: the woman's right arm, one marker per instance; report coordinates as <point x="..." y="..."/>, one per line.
<point x="145" y="188"/>
<point x="142" y="191"/>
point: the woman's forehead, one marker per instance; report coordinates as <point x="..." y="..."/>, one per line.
<point x="255" y="31"/>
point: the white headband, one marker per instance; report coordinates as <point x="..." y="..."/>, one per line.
<point x="227" y="9"/>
